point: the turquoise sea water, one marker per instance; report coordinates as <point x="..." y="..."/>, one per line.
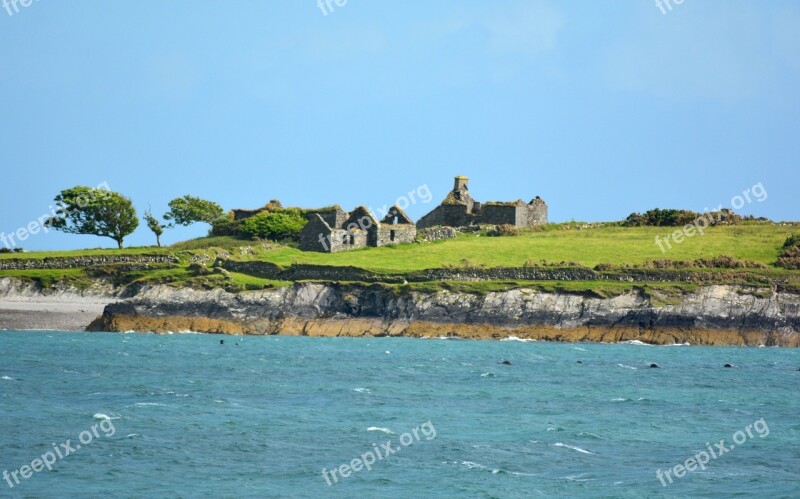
<point x="193" y="418"/>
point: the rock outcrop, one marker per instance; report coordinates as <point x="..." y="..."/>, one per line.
<point x="713" y="315"/>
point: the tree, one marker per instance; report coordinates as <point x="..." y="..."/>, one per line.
<point x="189" y="209"/>
<point x="275" y="225"/>
<point x="98" y="212"/>
<point x="154" y="225"/>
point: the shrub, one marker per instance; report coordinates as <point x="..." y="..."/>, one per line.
<point x="678" y="218"/>
<point x="224" y="226"/>
<point x="503" y="230"/>
<point x="718" y="262"/>
<point x="275" y="225"/>
<point x="792" y="241"/>
<point x="789" y="257"/>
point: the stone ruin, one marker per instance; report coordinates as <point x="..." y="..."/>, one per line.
<point x="334" y="230"/>
<point x="459" y="210"/>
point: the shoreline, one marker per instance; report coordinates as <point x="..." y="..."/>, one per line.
<point x="48" y="315"/>
<point x="366" y="328"/>
<point x="70" y="320"/>
<point x="711" y="315"/>
<point x="458" y="332"/>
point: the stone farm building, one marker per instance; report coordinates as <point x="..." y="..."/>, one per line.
<point x="333" y="230"/>
<point x="459" y="210"/>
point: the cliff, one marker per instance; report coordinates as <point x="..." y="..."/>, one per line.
<point x="712" y="315"/>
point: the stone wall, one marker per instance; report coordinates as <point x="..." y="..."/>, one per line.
<point x="501" y="214"/>
<point x="84" y="262"/>
<point x="336" y="273"/>
<point x="454" y="215"/>
<point x="537" y="212"/>
<point x="333" y="217"/>
<point x="316" y="235"/>
<point x="389" y="235"/>
<point x="518" y="214"/>
<point x="437" y="233"/>
<point x="345" y="240"/>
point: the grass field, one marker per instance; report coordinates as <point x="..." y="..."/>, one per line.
<point x="609" y="244"/>
<point x="571" y="243"/>
<point x="588" y="247"/>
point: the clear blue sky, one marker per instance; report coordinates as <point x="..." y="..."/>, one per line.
<point x="600" y="107"/>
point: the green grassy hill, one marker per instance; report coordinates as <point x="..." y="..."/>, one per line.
<point x="587" y="247"/>
<point x="577" y="244"/>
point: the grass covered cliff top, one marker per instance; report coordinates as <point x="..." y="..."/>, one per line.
<point x="586" y="245"/>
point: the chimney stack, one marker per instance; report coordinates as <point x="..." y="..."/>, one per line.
<point x="461" y="183"/>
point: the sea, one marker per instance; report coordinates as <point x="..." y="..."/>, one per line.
<point x="196" y="415"/>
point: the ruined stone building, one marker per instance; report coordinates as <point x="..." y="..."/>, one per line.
<point x="459" y="210"/>
<point x="333" y="230"/>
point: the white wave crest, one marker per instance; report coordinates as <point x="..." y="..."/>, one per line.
<point x="578" y="449"/>
<point x="102" y="416"/>
<point x="383" y="430"/>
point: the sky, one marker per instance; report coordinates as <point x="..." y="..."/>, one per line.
<point x="602" y="108"/>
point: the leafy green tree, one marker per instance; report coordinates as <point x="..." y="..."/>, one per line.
<point x="275" y="225"/>
<point x="154" y="225"/>
<point x="189" y="209"/>
<point x="98" y="212"/>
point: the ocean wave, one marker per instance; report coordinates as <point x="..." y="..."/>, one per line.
<point x="576" y="478"/>
<point x="471" y="465"/>
<point x="102" y="416"/>
<point x="7" y="378"/>
<point x="150" y="404"/>
<point x="625" y="366"/>
<point x="577" y="449"/>
<point x="635" y="342"/>
<point x="619" y="399"/>
<point x="362" y="390"/>
<point x="514" y="338"/>
<point x="383" y="430"/>
<point x="590" y="435"/>
<point x="487" y="375"/>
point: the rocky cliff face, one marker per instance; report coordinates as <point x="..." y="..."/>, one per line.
<point x="714" y="315"/>
<point x="15" y="290"/>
